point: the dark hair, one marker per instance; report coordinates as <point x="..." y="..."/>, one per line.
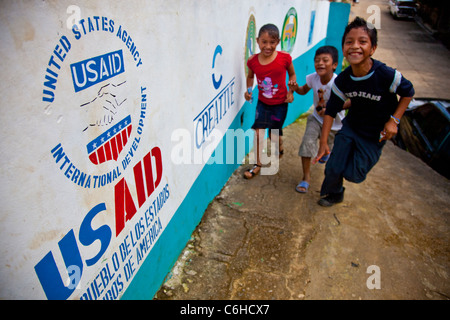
<point x="361" y="23"/>
<point x="271" y="29"/>
<point x="328" y="50"/>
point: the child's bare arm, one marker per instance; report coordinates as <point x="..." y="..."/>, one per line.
<point x="292" y="78"/>
<point x="390" y="128"/>
<point x="291" y="73"/>
<point x="293" y="86"/>
<point x="250" y="78"/>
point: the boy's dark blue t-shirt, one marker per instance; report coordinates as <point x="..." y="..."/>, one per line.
<point x="373" y="98"/>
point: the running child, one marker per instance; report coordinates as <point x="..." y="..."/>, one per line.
<point x="373" y="115"/>
<point x="270" y="67"/>
<point x="325" y="63"/>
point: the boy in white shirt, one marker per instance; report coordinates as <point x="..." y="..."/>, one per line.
<point x="321" y="81"/>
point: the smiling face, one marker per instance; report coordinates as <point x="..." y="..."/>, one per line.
<point x="324" y="65"/>
<point x="357" y="47"/>
<point x="267" y="44"/>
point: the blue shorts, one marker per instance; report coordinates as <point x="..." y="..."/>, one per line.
<point x="270" y="117"/>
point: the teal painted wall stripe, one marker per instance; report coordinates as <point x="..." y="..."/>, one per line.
<point x="213" y="177"/>
<point x="339" y="13"/>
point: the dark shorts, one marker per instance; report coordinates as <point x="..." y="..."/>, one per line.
<point x="270" y="117"/>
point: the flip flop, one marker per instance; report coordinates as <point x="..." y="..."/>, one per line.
<point x="324" y="158"/>
<point x="252" y="171"/>
<point x="304" y="185"/>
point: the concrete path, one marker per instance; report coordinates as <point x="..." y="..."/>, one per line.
<point x="389" y="239"/>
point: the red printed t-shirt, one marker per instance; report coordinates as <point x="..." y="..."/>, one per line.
<point x="271" y="77"/>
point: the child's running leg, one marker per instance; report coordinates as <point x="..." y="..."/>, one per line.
<point x="352" y="158"/>
<point x="308" y="149"/>
<point x="366" y="155"/>
<point x="303" y="185"/>
<point x="337" y="164"/>
<point x="259" y="138"/>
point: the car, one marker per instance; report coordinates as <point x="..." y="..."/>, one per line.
<point x="424" y="131"/>
<point x="403" y="8"/>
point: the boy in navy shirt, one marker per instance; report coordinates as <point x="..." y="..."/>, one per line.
<point x="373" y="116"/>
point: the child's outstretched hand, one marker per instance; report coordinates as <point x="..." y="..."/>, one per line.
<point x="323" y="150"/>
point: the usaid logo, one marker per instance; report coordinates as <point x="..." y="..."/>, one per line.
<point x="91" y="71"/>
<point x="94" y="90"/>
<point x="103" y="133"/>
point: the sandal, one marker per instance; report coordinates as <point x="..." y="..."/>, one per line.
<point x="304" y="185"/>
<point x="324" y="158"/>
<point x="252" y="171"/>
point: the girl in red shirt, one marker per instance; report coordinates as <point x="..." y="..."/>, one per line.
<point x="270" y="68"/>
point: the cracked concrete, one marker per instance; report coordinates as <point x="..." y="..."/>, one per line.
<point x="260" y="239"/>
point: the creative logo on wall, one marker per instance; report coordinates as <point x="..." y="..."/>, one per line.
<point x="216" y="110"/>
<point x="250" y="41"/>
<point x="103" y="107"/>
<point x="289" y="33"/>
